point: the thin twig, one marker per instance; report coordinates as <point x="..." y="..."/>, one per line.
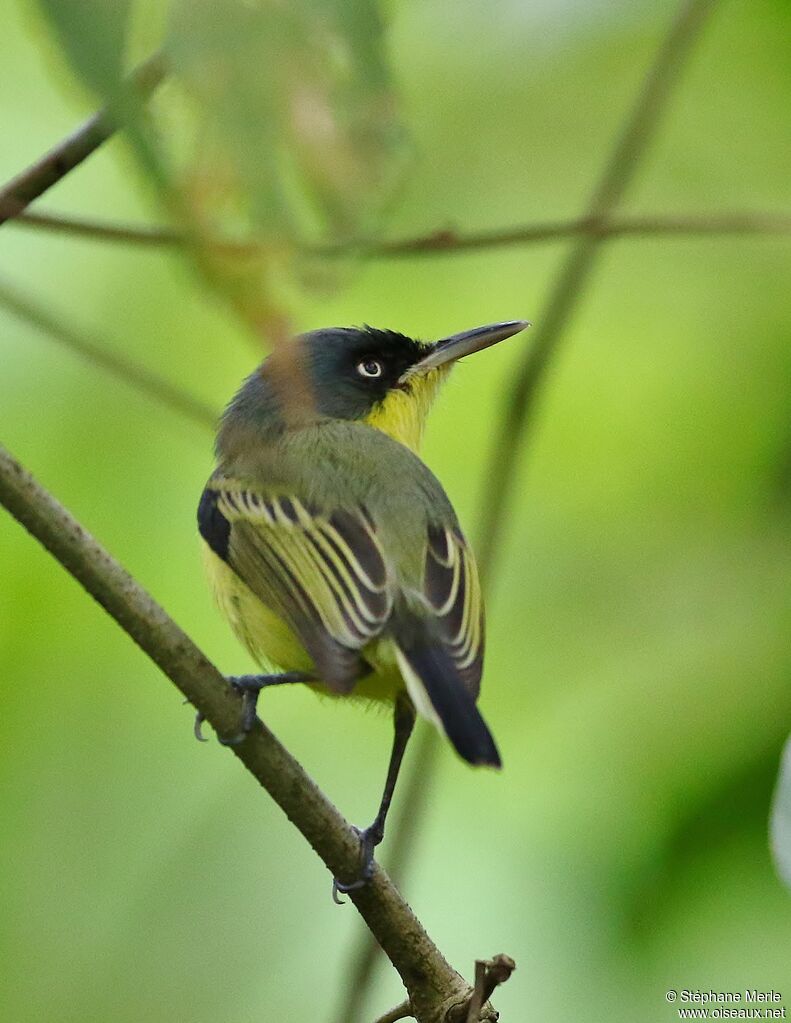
<point x="433" y="986"/>
<point x="476" y="998"/>
<point x="733" y="222"/>
<point x="489" y="974"/>
<point x="638" y="131"/>
<point x="498" y="970"/>
<point x="141" y="379"/>
<point x="54" y="165"/>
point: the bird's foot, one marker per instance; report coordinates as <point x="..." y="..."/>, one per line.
<point x="250" y="687"/>
<point x="369" y="839"/>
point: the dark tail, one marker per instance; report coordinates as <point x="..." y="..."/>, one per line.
<point x="438" y="693"/>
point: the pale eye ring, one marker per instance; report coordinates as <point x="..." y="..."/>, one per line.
<point x="369" y="368"/>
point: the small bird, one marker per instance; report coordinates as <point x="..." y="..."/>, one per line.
<point x="334" y="551"/>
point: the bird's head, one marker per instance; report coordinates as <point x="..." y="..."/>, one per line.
<point x="380" y="377"/>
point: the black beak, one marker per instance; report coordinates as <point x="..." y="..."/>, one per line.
<point x="449" y="349"/>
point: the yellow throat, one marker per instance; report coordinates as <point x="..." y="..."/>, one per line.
<point x="402" y="414"/>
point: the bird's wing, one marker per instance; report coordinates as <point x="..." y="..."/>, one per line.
<point x="323" y="572"/>
<point x="439" y="645"/>
<point x="453" y="593"/>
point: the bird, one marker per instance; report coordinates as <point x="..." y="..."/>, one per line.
<point x="334" y="551"/>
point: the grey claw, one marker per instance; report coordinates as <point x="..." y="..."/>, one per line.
<point x="367" y="867"/>
<point x="199" y="719"/>
<point x="233" y="740"/>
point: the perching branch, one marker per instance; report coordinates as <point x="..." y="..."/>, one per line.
<point x="447" y="241"/>
<point x="630" y="147"/>
<point x="141" y="379"/>
<point x="434" y="988"/>
<point x="56" y="164"/>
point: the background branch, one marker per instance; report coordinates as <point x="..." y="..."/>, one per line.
<point x="69" y="153"/>
<point x="139" y="377"/>
<point x="648" y="225"/>
<point x="433" y="986"/>
<point x="447" y="241"/>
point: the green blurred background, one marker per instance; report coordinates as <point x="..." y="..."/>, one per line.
<point x="639" y="645"/>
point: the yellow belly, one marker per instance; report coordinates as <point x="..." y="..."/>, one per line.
<point x="276" y="647"/>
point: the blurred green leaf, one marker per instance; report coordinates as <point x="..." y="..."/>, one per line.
<point x="281" y="121"/>
<point x="297" y="125"/>
<point x="93" y="36"/>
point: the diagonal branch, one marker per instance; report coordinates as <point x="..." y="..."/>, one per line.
<point x="56" y="164"/>
<point x="434" y="988"/>
<point x="141" y="379"/>
<point x="443" y="242"/>
<point x="575" y="272"/>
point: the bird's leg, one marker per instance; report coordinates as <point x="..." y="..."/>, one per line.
<point x="250" y="687"/>
<point x="403" y="723"/>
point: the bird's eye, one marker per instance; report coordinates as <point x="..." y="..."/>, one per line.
<point x="369" y="368"/>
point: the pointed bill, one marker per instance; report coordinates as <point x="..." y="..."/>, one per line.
<point x="449" y="349"/>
